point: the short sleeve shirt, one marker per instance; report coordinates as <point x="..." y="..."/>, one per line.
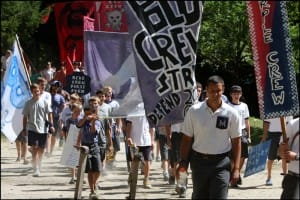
<point x="36" y="113"/>
<point x="140" y="132"/>
<point x="212" y="131"/>
<point x="243" y="111"/>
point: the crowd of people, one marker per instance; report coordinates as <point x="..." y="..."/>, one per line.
<point x="212" y="141"/>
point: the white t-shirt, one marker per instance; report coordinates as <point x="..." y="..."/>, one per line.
<point x="275" y="124"/>
<point x="47" y="96"/>
<point x="48" y="74"/>
<point x="176" y="127"/>
<point x="243" y="111"/>
<point x="140" y="132"/>
<point x="212" y="131"/>
<point x="291" y="129"/>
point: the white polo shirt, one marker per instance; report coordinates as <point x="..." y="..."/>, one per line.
<point x="212" y="131"/>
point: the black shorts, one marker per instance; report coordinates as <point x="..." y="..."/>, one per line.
<point x="174" y="151"/>
<point x="244" y="150"/>
<point x="146" y="151"/>
<point x="275" y="139"/>
<point x="93" y="161"/>
<point x="102" y="154"/>
<point x="37" y="139"/>
<point x="22" y="138"/>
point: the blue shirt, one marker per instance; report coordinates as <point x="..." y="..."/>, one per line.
<point x="87" y="137"/>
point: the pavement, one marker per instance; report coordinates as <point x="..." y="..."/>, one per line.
<point x="17" y="181"/>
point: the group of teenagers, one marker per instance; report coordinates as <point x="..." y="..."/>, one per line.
<point x="212" y="140"/>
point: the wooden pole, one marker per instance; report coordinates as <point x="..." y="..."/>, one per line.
<point x="23" y="60"/>
<point x="283" y="128"/>
<point x="84" y="150"/>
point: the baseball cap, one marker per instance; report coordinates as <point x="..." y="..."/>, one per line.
<point x="56" y="83"/>
<point x="235" y="88"/>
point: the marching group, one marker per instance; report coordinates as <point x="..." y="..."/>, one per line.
<point x="212" y="140"/>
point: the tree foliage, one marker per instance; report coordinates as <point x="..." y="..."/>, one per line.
<point x="21" y="18"/>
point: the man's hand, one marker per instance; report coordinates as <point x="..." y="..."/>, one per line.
<point x="235" y="175"/>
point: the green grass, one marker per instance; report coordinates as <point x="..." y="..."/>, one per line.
<point x="256" y="130"/>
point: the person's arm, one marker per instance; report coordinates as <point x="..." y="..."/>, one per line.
<point x="50" y="120"/>
<point x="266" y="126"/>
<point x="168" y="135"/>
<point x="185" y="151"/>
<point x="236" y="155"/>
<point x="118" y="126"/>
<point x="152" y="134"/>
<point x="24" y="132"/>
<point x="128" y="133"/>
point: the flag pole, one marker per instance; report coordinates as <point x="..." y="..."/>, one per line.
<point x="23" y="61"/>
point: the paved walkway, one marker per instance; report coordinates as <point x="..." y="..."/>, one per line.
<point x="17" y="181"/>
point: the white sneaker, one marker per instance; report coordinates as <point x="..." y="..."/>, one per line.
<point x="36" y="173"/>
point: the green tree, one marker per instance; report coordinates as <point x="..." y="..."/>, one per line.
<point x="224" y="45"/>
<point x="21" y="18"/>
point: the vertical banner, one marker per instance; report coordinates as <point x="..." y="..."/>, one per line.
<point x="274" y="70"/>
<point x="14" y="95"/>
<point x="69" y="26"/>
<point x="164" y="37"/>
<point x="109" y="61"/>
<point x="110" y="16"/>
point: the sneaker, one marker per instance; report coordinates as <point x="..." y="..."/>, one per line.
<point x="166" y="176"/>
<point x="93" y="195"/>
<point x="239" y="182"/>
<point x="172" y="180"/>
<point x="36" y="173"/>
<point x="72" y="181"/>
<point x="147" y="184"/>
<point x="269" y="182"/>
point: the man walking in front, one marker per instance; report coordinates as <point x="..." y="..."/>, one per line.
<point x="35" y="114"/>
<point x="211" y="133"/>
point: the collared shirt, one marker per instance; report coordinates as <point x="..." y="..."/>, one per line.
<point x="212" y="131"/>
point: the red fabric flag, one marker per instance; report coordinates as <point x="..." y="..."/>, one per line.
<point x="110" y="16"/>
<point x="69" y="26"/>
<point x="88" y="24"/>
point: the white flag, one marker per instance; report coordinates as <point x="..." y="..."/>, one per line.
<point x="14" y="93"/>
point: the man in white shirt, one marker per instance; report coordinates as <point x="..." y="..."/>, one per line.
<point x="289" y="151"/>
<point x="139" y="133"/>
